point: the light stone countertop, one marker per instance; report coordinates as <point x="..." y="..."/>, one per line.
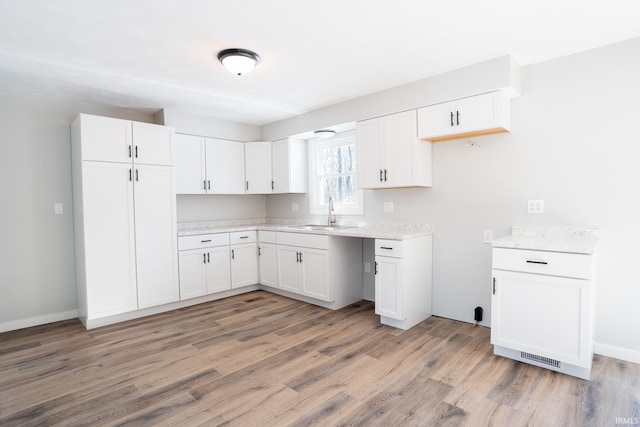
<point x="579" y="240"/>
<point x="392" y="231"/>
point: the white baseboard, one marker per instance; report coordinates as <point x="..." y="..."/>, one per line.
<point x="617" y="352"/>
<point x="38" y="320"/>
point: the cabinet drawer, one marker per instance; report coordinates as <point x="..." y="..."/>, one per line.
<point x="202" y="241"/>
<point x="304" y="240"/>
<point x="541" y="262"/>
<point x="392" y="248"/>
<point x="242" y="237"/>
<point x="267" y="236"/>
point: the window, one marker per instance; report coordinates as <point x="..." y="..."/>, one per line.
<point x="333" y="174"/>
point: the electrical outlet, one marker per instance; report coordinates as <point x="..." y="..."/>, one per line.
<point x="488" y="236"/>
<point x="294" y="207"/>
<point x="57" y="209"/>
<point x="535" y="206"/>
<point x="367" y="267"/>
<point x="388" y="206"/>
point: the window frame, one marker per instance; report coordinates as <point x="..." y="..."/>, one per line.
<point x="315" y="148"/>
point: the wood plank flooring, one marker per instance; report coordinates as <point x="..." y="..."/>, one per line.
<point x="260" y="359"/>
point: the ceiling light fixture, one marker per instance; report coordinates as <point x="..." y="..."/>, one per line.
<point x="324" y="133"/>
<point x="238" y="61"/>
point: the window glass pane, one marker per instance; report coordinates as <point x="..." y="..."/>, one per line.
<point x="341" y="188"/>
<point x="337" y="160"/>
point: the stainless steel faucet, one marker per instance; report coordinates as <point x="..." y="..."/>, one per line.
<point x="332" y="219"/>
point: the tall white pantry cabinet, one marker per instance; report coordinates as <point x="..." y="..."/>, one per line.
<point x="124" y="216"/>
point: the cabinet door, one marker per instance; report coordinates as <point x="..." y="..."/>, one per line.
<point x="156" y="235"/>
<point x="225" y="166"/>
<point x="109" y="238"/>
<point x="218" y="269"/>
<point x="480" y="112"/>
<point x="268" y="265"/>
<point x="193" y="273"/>
<point x="401" y="139"/>
<point x="389" y="287"/>
<point x="542" y="315"/>
<point x="370" y="153"/>
<point x="257" y="161"/>
<point x="244" y="265"/>
<point x="190" y="165"/>
<point x="288" y="269"/>
<point x="105" y="139"/>
<point x="280" y="166"/>
<point x="153" y="144"/>
<point x="437" y="120"/>
<point x="289" y="164"/>
<point x="314" y="264"/>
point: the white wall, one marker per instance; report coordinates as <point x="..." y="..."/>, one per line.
<point x="220" y="207"/>
<point x="37" y="270"/>
<point x="574" y="144"/>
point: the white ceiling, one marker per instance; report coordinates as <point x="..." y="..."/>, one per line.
<point x="153" y="54"/>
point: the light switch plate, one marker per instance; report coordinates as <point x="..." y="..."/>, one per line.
<point x="58" y="209"/>
<point x="488" y="236"/>
<point x="388" y="206"/>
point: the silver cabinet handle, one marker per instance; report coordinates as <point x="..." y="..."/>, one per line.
<point x="244" y="237"/>
<point x="386" y="247"/>
<point x="129" y="151"/>
<point x="494" y="285"/>
<point x="204" y="258"/>
<point x="130" y="175"/>
<point x="259" y="251"/>
<point x="233" y="254"/>
<point x="208" y="257"/>
<point x="137" y="175"/>
<point x="205" y="241"/>
<point x="204" y="184"/>
<point x="375" y="268"/>
<point x="530" y="261"/>
<point x="136" y="151"/>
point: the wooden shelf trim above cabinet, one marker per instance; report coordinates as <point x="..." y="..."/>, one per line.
<point x="468" y="134"/>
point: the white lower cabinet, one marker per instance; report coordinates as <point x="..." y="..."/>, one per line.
<point x="325" y="270"/>
<point x="267" y="258"/>
<point x="304" y="271"/>
<point x="403" y="281"/>
<point x="542" y="309"/>
<point x="244" y="260"/>
<point x="204" y="265"/>
<point x="155" y="219"/>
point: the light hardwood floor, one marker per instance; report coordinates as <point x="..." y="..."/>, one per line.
<point x="264" y="360"/>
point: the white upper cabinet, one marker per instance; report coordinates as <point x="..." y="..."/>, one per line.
<point x="209" y="166"/>
<point x="390" y="154"/>
<point x="153" y="144"/>
<point x="289" y="165"/>
<point x="257" y="161"/>
<point x="191" y="175"/>
<point x="123" y="141"/>
<point x="106" y="139"/>
<point x="225" y="166"/>
<point x="484" y="114"/>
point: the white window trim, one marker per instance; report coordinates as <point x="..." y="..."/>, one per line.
<point x="316" y="208"/>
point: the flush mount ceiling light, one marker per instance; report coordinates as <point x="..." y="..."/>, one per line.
<point x="324" y="133"/>
<point x="238" y="61"/>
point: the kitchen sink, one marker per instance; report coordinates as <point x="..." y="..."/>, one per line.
<point x="320" y="227"/>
